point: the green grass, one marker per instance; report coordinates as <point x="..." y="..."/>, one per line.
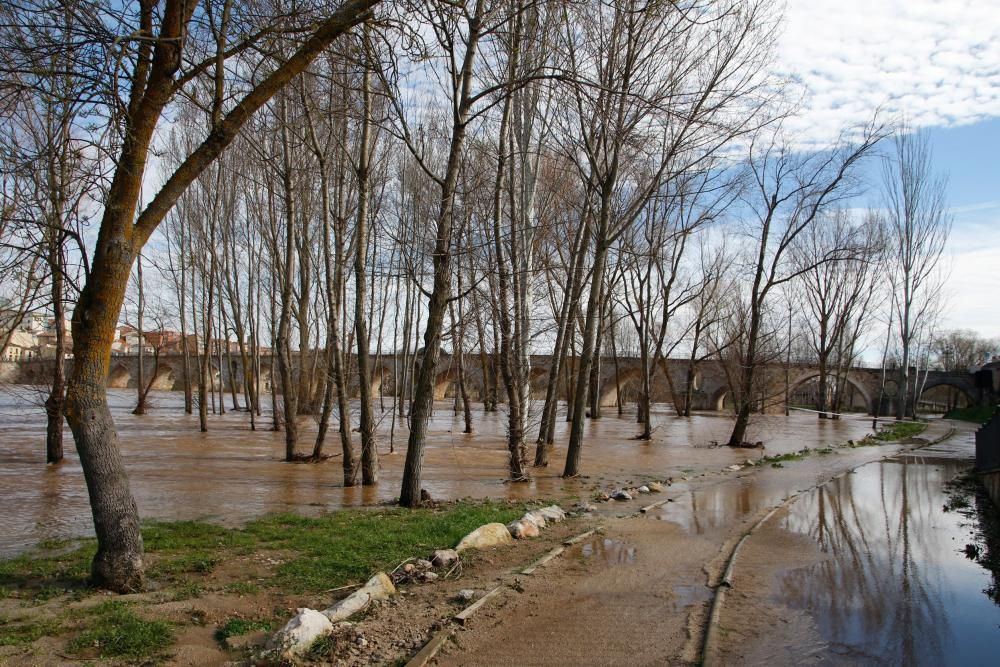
<point x="25" y="631"/>
<point x="790" y="456"/>
<point x="347" y="546"/>
<point x="320" y="552"/>
<point x="321" y="649"/>
<point x="978" y="414"/>
<point x="186" y="590"/>
<point x="115" y="631"/>
<point x="242" y="588"/>
<point x="42" y="575"/>
<point x="238" y="625"/>
<point x="316" y="554"/>
<point x="900" y="431"/>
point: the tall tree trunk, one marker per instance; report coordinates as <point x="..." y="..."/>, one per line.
<point x="369" y="451"/>
<point x="55" y="404"/>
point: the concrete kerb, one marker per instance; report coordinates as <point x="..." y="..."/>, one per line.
<point x="707" y="654"/>
<point x="434" y="644"/>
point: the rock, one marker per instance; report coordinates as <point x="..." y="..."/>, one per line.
<point x="488" y="535"/>
<point x="297" y="636"/>
<point x="621" y="494"/>
<point x="378" y="587"/>
<point x="444" y="557"/>
<point x="655" y="487"/>
<point x="535" y="517"/>
<point x="429" y="577"/>
<point x="465" y="595"/>
<point x="734" y="467"/>
<point x="552" y="513"/>
<point x="521" y="529"/>
<point x="643" y="489"/>
<point x="424" y="564"/>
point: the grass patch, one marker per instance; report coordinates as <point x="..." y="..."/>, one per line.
<point x="790" y="456"/>
<point x="321" y="649"/>
<point x="977" y="414"/>
<point x="347" y="546"/>
<point x="23" y="632"/>
<point x="41" y="575"/>
<point x="900" y="431"/>
<point x="187" y="590"/>
<point x="242" y="588"/>
<point x="323" y="552"/>
<point x="115" y="631"/>
<point x="237" y="626"/>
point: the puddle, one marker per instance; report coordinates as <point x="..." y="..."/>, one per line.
<point x="897" y="587"/>
<point x="612" y="552"/>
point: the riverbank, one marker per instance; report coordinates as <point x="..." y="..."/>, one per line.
<point x="215" y="592"/>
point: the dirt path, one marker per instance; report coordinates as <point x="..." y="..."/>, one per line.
<point x="640" y="593"/>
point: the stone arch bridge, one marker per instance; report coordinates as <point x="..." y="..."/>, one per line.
<point x="619" y="380"/>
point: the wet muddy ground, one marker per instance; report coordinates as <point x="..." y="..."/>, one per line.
<point x="231" y="474"/>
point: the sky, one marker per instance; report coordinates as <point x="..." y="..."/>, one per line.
<point x="935" y="64"/>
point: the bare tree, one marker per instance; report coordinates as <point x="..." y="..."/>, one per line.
<point x="918" y="225"/>
<point x="787" y="192"/>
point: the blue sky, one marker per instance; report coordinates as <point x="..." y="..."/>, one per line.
<point x="968" y="155"/>
<point x="935" y="63"/>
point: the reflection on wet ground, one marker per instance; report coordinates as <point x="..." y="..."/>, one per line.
<point x="896" y="587"/>
<point x="612" y="552"/>
<point x="231" y="474"/>
<point x="685" y="596"/>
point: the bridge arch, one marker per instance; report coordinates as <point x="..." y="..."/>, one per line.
<point x="855" y="384"/>
<point x="381" y="377"/>
<point x="539" y="381"/>
<point x="443" y="383"/>
<point x="119" y="376"/>
<point x="718" y="399"/>
<point x="166" y="378"/>
<point x="630" y="383"/>
<point x="943" y="394"/>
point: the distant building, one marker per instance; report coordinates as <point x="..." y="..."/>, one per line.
<point x="22" y="347"/>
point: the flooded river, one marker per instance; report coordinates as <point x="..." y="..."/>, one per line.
<point x="231" y="474"/>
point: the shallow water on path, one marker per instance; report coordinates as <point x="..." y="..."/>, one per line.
<point x="896" y="587"/>
<point x="232" y="474"/>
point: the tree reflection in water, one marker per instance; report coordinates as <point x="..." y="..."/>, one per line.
<point x="887" y="592"/>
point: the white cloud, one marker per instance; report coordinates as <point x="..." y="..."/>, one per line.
<point x="973" y="281"/>
<point x="933" y="62"/>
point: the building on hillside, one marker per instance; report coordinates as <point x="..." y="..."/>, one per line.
<point x="22" y="347"/>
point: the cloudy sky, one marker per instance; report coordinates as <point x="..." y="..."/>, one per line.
<point x="936" y="63"/>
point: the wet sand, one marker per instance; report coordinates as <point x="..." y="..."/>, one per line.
<point x="230" y="474"/>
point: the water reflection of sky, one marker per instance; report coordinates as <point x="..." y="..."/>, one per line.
<point x="896" y="588"/>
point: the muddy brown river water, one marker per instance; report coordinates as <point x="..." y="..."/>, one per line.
<point x="231" y="474"/>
